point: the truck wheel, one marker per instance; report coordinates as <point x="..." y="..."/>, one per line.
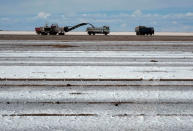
<point x="53" y="33"/>
<point x="61" y="33"/>
<point x="106" y="34"/>
<point x="93" y="33"/>
<point x="89" y="33"/>
<point x="43" y="33"/>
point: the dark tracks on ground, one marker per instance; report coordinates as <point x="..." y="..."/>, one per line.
<point x="97" y="38"/>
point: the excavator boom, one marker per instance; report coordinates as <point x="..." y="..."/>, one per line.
<point x="67" y="28"/>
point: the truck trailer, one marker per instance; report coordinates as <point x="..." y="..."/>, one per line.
<point x="98" y="30"/>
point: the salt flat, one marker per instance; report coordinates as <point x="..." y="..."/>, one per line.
<point x="56" y="85"/>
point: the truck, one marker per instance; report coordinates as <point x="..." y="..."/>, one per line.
<point x="54" y="29"/>
<point x="98" y="30"/>
<point x="143" y="30"/>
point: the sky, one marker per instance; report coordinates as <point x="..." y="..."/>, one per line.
<point x="120" y="15"/>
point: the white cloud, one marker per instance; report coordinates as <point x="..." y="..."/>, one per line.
<point x="154" y="22"/>
<point x="43" y="15"/>
<point x="137" y="13"/>
<point x="189" y="14"/>
<point x="178" y="15"/>
<point x="84" y="15"/>
<point x="123" y="25"/>
<point x="5" y="19"/>
<point x="174" y="22"/>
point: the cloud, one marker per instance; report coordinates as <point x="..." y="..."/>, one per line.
<point x="189" y="14"/>
<point x="137" y="13"/>
<point x="178" y="15"/>
<point x="5" y="19"/>
<point x="124" y="25"/>
<point x="43" y="15"/>
<point x="174" y="22"/>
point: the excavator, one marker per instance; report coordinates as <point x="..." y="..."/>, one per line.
<point x="54" y="29"/>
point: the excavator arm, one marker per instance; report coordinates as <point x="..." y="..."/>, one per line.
<point x="69" y="28"/>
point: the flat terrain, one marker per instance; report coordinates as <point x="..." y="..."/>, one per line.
<point x="111" y="33"/>
<point x="98" y="38"/>
<point x="70" y="84"/>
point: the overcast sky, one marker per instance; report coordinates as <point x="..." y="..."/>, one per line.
<point x="120" y="15"/>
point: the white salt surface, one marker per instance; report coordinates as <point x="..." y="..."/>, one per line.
<point x="115" y="72"/>
<point x="150" y="104"/>
<point x="106" y="72"/>
<point x="109" y="54"/>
